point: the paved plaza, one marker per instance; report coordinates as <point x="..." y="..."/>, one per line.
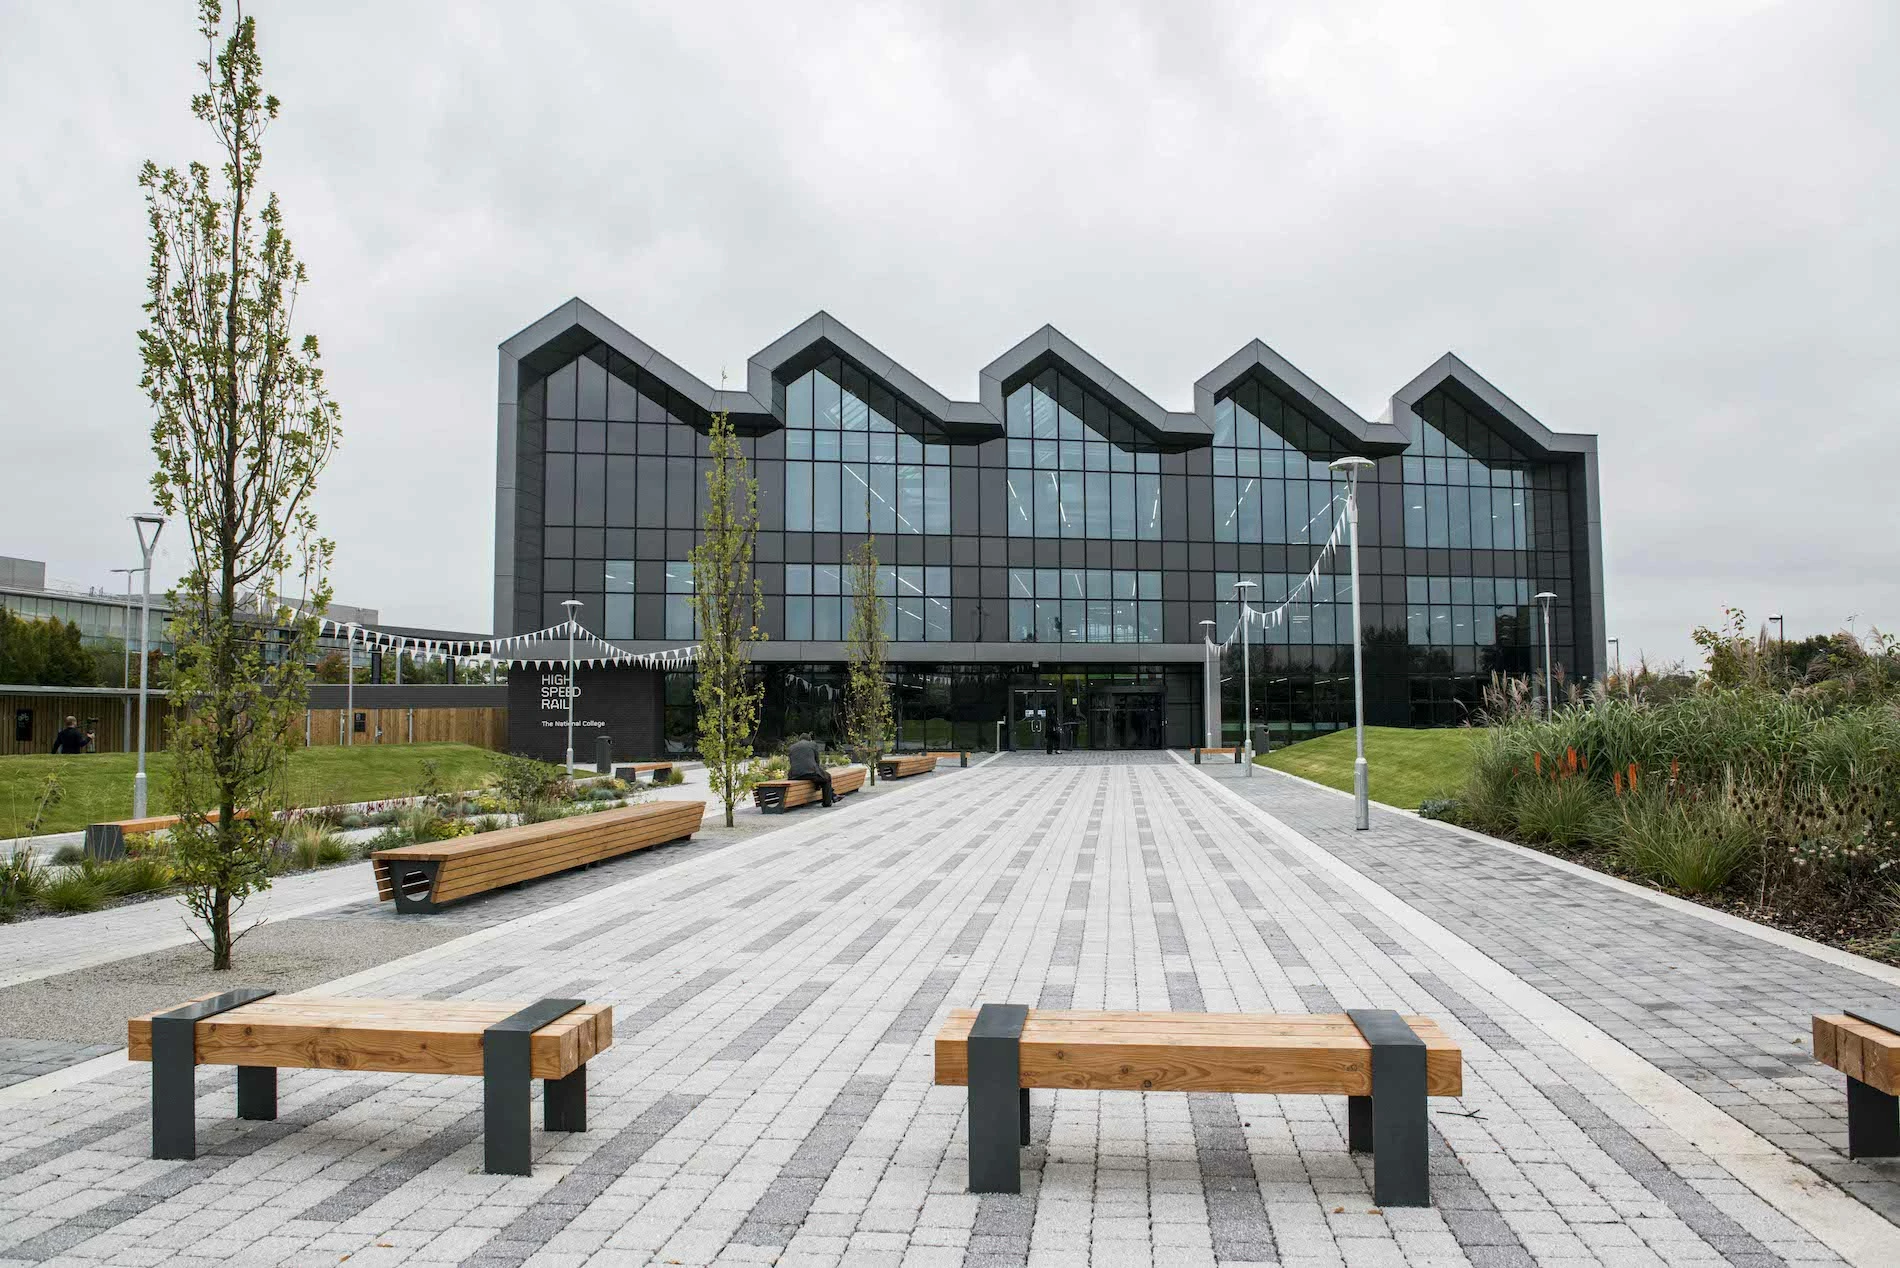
<point x="1637" y="1085"/>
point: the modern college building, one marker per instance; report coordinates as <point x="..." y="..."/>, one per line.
<point x="1050" y="549"/>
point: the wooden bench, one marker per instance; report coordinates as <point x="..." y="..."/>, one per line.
<point x="1384" y="1064"/>
<point x="421" y="878"/>
<point x="900" y="765"/>
<point x="776" y="796"/>
<point x="1864" y="1045"/>
<point x="961" y="756"/>
<point x="1217" y="752"/>
<point x="662" y="771"/>
<point x="106" y="841"/>
<point x="260" y="1032"/>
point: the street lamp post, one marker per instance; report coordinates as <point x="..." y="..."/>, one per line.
<point x="1353" y="467"/>
<point x="157" y="524"/>
<point x="125" y="626"/>
<point x="1781" y="640"/>
<point x="572" y="690"/>
<point x="1210" y="684"/>
<point x="1544" y="599"/>
<point x="1246" y="675"/>
<point x="1616" y="663"/>
<point x="349" y="692"/>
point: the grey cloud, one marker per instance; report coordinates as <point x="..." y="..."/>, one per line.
<point x="1672" y="225"/>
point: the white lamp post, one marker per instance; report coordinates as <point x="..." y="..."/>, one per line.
<point x="349" y="692"/>
<point x="1246" y="676"/>
<point x="1361" y="783"/>
<point x="1545" y="598"/>
<point x="156" y="523"/>
<point x="125" y="626"/>
<point x="572" y="690"/>
<point x="1210" y="685"/>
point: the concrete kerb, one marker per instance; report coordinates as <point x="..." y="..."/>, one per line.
<point x="1887" y="973"/>
<point x="1854" y="1231"/>
<point x="106" y="1063"/>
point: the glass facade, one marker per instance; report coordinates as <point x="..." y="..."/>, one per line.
<point x="1061" y="527"/>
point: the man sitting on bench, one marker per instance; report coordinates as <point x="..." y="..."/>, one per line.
<point x="805" y="760"/>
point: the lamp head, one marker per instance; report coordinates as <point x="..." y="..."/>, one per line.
<point x="1351" y="465"/>
<point x="1245" y="585"/>
<point x="1775" y="617"/>
<point x="1544" y="596"/>
<point x="152" y="520"/>
<point x="571" y="603"/>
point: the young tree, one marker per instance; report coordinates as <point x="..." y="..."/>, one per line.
<point x="727" y="604"/>
<point x="244" y="427"/>
<point x="867" y="695"/>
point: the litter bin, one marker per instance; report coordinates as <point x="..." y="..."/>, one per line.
<point x="604" y="754"/>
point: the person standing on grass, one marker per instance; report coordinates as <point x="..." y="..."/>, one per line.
<point x="71" y="739"/>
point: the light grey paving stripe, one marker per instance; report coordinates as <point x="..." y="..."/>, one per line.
<point x="212" y="1158"/>
<point x="1236" y="1214"/>
<point x="776" y="1216"/>
<point x="1727" y="1237"/>
<point x="357" y="1196"/>
<point x="553" y="1211"/>
<point x="60" y="1146"/>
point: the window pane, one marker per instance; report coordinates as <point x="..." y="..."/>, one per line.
<point x="1148" y="503"/>
<point x="910" y="498"/>
<point x="1021" y="522"/>
<point x="1226" y="509"/>
<point x="558" y="491"/>
<point x="798" y="616"/>
<point x="937" y="500"/>
<point x="824" y="497"/>
<point x="798" y="496"/>
<point x="937" y="620"/>
<point x="1048" y="521"/>
<point x="1069" y="506"/>
<point x="883" y="498"/>
<point x="619" y="616"/>
<point x="1123" y="506"/>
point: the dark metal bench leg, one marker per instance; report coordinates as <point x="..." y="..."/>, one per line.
<point x="999" y="1105"/>
<point x="508" y="1084"/>
<point x="257" y="1092"/>
<point x="1873" y="1121"/>
<point x="174" y="1088"/>
<point x="564" y="1102"/>
<point x="175" y="1073"/>
<point x="414" y="886"/>
<point x="1401" y="1132"/>
<point x="1359" y="1124"/>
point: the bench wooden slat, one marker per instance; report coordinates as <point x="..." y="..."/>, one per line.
<point x="394" y="1036"/>
<point x="1321" y="1054"/>
<point x="900" y="766"/>
<point x="1859" y="1050"/>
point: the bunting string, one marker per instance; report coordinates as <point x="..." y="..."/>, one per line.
<point x="543" y="649"/>
<point x="1268" y="618"/>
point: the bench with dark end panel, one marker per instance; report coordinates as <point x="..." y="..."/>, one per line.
<point x="1864" y="1044"/>
<point x="106" y="841"/>
<point x="776" y="796"/>
<point x="507" y="1045"/>
<point x="1232" y="753"/>
<point x="1383" y="1063"/>
<point x="631" y="771"/>
<point x="421" y="878"/>
<point x="900" y="765"/>
<point x="960" y="756"/>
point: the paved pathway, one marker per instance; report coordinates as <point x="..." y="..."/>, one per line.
<point x="768" y="1098"/>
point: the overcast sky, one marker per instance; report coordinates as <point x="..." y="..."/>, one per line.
<point x="1676" y="225"/>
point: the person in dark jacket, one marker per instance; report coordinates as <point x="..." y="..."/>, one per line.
<point x="71" y="739"/>
<point x="805" y="760"/>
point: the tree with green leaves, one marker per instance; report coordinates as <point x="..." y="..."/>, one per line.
<point x="727" y="605"/>
<point x="244" y="427"/>
<point x="47" y="653"/>
<point x="867" y="693"/>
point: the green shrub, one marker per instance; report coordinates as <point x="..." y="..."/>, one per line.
<point x="1446" y="808"/>
<point x="69" y="855"/>
<point x="129" y="876"/>
<point x="520" y="780"/>
<point x="540" y="810"/>
<point x="1565" y="812"/>
<point x="139" y="843"/>
<point x="489" y="823"/>
<point x="309" y="842"/>
<point x="674" y="776"/>
<point x="73" y="892"/>
<point x="1694" y="846"/>
<point x="22" y="880"/>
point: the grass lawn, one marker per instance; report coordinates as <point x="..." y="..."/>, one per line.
<point x="98" y="786"/>
<point x="1405" y="766"/>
